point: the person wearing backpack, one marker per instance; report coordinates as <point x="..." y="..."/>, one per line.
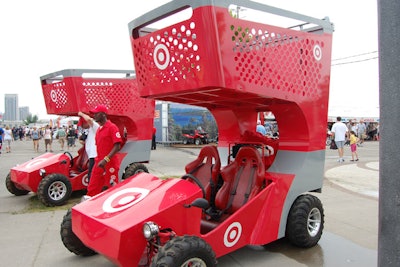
<point x="35" y="137"/>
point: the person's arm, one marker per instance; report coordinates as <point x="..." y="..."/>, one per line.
<point x="115" y="149"/>
<point x="86" y="117"/>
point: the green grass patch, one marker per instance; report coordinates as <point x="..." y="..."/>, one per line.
<point x="35" y="205"/>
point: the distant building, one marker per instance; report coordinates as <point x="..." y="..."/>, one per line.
<point x="23" y="113"/>
<point x="11" y="107"/>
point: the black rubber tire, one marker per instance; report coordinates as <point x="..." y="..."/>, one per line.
<point x="71" y="162"/>
<point x="182" y="251"/>
<point x="305" y="221"/>
<point x="54" y="190"/>
<point x="133" y="169"/>
<point x="70" y="240"/>
<point x="197" y="141"/>
<point x="13" y="189"/>
<point x="185" y="141"/>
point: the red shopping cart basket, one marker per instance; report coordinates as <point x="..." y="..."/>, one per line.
<point x="213" y="57"/>
<point x="67" y="92"/>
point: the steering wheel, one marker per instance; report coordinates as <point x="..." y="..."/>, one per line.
<point x="196" y="181"/>
<point x="71" y="162"/>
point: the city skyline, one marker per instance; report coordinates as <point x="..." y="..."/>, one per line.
<point x="12" y="111"/>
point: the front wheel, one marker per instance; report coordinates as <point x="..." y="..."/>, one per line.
<point x="70" y="240"/>
<point x="133" y="169"/>
<point x="305" y="221"/>
<point x="13" y="188"/>
<point x="185" y="251"/>
<point x="54" y="190"/>
<point x="197" y="141"/>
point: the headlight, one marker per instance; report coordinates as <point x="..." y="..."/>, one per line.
<point x="42" y="172"/>
<point x="150" y="230"/>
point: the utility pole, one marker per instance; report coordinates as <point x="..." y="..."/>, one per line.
<point x="389" y="156"/>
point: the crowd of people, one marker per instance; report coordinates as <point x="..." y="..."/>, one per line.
<point x="65" y="135"/>
<point x="353" y="134"/>
<point x="100" y="136"/>
<point x="268" y="128"/>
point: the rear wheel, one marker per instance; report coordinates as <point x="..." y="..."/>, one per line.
<point x="54" y="190"/>
<point x="13" y="188"/>
<point x="133" y="169"/>
<point x="305" y="221"/>
<point x="185" y="141"/>
<point x="185" y="251"/>
<point x="70" y="240"/>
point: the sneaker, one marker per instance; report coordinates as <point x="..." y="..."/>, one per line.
<point x="356" y="159"/>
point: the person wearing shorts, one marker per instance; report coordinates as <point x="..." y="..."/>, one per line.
<point x="339" y="131"/>
<point x="353" y="145"/>
<point x="47" y="138"/>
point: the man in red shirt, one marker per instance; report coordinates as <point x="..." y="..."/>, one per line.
<point x="108" y="142"/>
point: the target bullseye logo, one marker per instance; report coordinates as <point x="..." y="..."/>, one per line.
<point x="124" y="199"/>
<point x="85" y="180"/>
<point x="317" y="52"/>
<point x="161" y="56"/>
<point x="232" y="234"/>
<point x="35" y="162"/>
<point x="53" y="95"/>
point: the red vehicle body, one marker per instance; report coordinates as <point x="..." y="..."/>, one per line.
<point x="55" y="176"/>
<point x="195" y="137"/>
<point x="251" y="190"/>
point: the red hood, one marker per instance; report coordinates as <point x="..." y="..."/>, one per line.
<point x="111" y="223"/>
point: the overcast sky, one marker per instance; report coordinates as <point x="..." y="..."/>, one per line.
<point x="43" y="36"/>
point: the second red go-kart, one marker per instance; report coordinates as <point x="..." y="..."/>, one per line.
<point x="53" y="177"/>
<point x="251" y="190"/>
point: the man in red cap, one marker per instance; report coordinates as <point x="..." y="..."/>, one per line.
<point x="108" y="142"/>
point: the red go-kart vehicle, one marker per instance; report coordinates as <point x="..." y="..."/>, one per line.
<point x="52" y="176"/>
<point x="55" y="176"/>
<point x="250" y="190"/>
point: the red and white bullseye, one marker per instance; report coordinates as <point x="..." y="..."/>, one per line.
<point x="232" y="234"/>
<point x="85" y="180"/>
<point x="317" y="52"/>
<point x="53" y="96"/>
<point x="124" y="199"/>
<point x="161" y="56"/>
<point x="35" y="162"/>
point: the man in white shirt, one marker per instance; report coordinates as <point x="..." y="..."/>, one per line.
<point x="340" y="132"/>
<point x="90" y="142"/>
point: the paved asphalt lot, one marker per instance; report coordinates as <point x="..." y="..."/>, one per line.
<point x="350" y="199"/>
